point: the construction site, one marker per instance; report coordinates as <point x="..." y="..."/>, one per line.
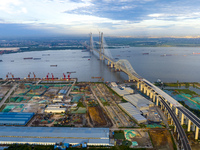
<point x="81" y="104"/>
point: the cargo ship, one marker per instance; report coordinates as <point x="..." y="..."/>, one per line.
<point x="145" y="53"/>
<point x="36" y="58"/>
<point x="28" y="57"/>
<point x="45" y="54"/>
<point x="195" y="53"/>
<point x="53" y="65"/>
<point x="86" y="57"/>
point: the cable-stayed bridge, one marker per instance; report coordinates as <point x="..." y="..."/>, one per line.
<point x="175" y="112"/>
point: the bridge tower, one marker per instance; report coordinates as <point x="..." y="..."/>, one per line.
<point x="91" y="43"/>
<point x="101" y="51"/>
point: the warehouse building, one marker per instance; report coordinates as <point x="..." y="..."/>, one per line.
<point x="129" y="90"/>
<point x="53" y="135"/>
<point x="120" y="91"/>
<point x="133" y="112"/>
<point x="15" y="118"/>
<point x="139" y="101"/>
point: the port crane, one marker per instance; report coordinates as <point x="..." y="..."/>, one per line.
<point x="47" y="76"/>
<point x="34" y="75"/>
<point x="29" y="75"/>
<point x="64" y="76"/>
<point x="7" y="75"/>
<point x="69" y="73"/>
<point x="52" y="76"/>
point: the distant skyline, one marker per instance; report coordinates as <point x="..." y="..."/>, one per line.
<point x="136" y="18"/>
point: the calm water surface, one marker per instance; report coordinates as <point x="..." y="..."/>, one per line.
<point x="166" y="63"/>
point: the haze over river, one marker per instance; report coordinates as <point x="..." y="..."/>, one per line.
<point x="166" y="63"/>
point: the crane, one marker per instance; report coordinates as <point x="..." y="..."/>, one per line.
<point x="69" y="76"/>
<point x="29" y="75"/>
<point x="34" y="75"/>
<point x="12" y="76"/>
<point x="52" y="76"/>
<point x="69" y="73"/>
<point x="47" y="76"/>
<point x="64" y="76"/>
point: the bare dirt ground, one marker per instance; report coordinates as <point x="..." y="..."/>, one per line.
<point x="98" y="117"/>
<point x="161" y="139"/>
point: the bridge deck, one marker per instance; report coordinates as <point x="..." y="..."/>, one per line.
<point x="190" y="115"/>
<point x="163" y="94"/>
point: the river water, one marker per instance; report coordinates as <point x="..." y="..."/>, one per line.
<point x="166" y="63"/>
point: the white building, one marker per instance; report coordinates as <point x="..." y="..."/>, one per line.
<point x="55" y="110"/>
<point x="57" y="100"/>
<point x="139" y="101"/>
<point x="133" y="112"/>
<point x="113" y="84"/>
<point x="120" y="92"/>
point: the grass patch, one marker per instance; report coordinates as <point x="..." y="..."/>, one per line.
<point x="185" y="91"/>
<point x="119" y="135"/>
<point x="80" y="104"/>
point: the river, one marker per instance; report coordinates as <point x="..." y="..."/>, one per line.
<point x="166" y="63"/>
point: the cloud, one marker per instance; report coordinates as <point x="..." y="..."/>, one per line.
<point x="12" y="6"/>
<point x="111" y="16"/>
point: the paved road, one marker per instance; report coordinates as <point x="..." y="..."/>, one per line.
<point x="162" y="116"/>
<point x="8" y="94"/>
<point x="181" y="132"/>
<point x="71" y="87"/>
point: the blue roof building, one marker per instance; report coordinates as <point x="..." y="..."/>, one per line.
<point x="15" y="118"/>
<point x="53" y="135"/>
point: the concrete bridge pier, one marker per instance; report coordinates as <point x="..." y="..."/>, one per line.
<point x="171" y="106"/>
<point x="189" y="125"/>
<point x="182" y="119"/>
<point x="141" y="87"/>
<point x="168" y="116"/>
<point x="171" y="121"/>
<point x="111" y="65"/>
<point x="138" y="85"/>
<point x="151" y="94"/>
<point x="196" y="133"/>
<point x="154" y="98"/>
<point x="175" y="127"/>
<point x="145" y="89"/>
<point x="176" y="111"/>
<point x="157" y="100"/>
<point x="193" y="127"/>
<point x="108" y="63"/>
<point x="148" y="92"/>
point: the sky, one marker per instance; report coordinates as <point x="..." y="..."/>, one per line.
<point x="136" y="18"/>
